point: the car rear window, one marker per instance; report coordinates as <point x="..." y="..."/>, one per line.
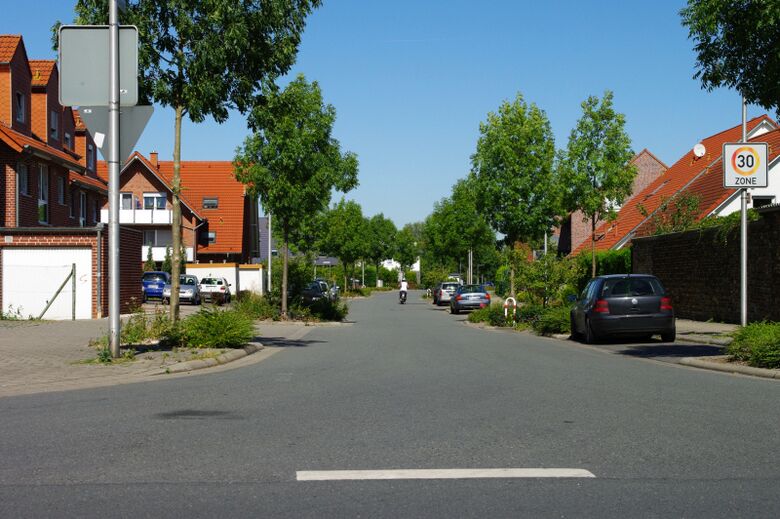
<point x="149" y="276"/>
<point x="635" y="286"/>
<point x="211" y="281"/>
<point x="450" y="286"/>
<point x="188" y="280"/>
<point x="472" y="288"/>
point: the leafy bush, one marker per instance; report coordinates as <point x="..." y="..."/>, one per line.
<point x="758" y="344"/>
<point x="529" y="313"/>
<point x="255" y="306"/>
<point x="327" y="310"/>
<point x="214" y="328"/>
<point x="554" y="319"/>
<point x="549" y="279"/>
<point x="493" y="315"/>
<point x="135" y="330"/>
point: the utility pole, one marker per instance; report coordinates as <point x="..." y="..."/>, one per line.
<point x="270" y="253"/>
<point x="113" y="179"/>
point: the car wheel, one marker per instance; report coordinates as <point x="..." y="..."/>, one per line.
<point x="454" y="310"/>
<point x="669" y="336"/>
<point x="590" y="337"/>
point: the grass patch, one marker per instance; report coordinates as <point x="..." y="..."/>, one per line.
<point x="758" y="344"/>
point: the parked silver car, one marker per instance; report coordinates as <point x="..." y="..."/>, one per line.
<point x="469" y="297"/>
<point x="444" y="291"/>
<point x="189" y="291"/>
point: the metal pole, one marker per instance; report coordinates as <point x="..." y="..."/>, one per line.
<point x="269" y="253"/>
<point x="545" y="244"/>
<point x="73" y="289"/>
<point x="743" y="235"/>
<point x="113" y="179"/>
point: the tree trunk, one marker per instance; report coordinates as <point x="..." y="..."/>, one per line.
<point x="593" y="245"/>
<point x="176" y="218"/>
<point x="284" y="271"/>
<point x="377" y="274"/>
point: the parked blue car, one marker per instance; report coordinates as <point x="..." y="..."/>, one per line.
<point x="153" y="284"/>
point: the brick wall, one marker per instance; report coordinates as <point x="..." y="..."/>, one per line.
<point x="21" y="81"/>
<point x="702" y="273"/>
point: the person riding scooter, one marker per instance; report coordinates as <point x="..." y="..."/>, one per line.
<point x="404" y="289"/>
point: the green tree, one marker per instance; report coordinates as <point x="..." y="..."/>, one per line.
<point x="596" y="164"/>
<point x="409" y="242"/>
<point x="202" y="58"/>
<point x="513" y="176"/>
<point x="346" y="236"/>
<point x="167" y="264"/>
<point x="293" y="162"/>
<point x="737" y="46"/>
<point x="149" y="264"/>
<point x="382" y="234"/>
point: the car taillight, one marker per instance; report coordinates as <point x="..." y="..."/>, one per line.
<point x="666" y="303"/>
<point x="458" y="297"/>
<point x="601" y="307"/>
<point x="221" y="289"/>
<point x="487" y="296"/>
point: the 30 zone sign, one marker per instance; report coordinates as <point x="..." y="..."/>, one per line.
<point x="744" y="164"/>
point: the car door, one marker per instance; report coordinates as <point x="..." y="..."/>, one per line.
<point x="580" y="307"/>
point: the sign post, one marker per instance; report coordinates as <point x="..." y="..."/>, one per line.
<point x="744" y="166"/>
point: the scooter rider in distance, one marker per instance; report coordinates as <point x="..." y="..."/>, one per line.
<point x="404" y="289"/>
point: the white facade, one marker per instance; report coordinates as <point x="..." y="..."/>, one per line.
<point x="158" y="253"/>
<point x="140" y="216"/>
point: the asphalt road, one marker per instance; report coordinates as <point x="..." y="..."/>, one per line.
<point x="404" y="387"/>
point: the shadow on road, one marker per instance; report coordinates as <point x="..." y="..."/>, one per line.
<point x="672" y="350"/>
<point x="282" y="342"/>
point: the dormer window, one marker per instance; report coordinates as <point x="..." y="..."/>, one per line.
<point x="20" y="107"/>
<point x="91" y="157"/>
<point x="54" y="124"/>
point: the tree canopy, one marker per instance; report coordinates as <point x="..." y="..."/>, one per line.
<point x="737" y="44"/>
<point x="292" y="161"/>
<point x="345" y="234"/>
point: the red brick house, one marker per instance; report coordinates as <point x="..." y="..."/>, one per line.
<point x="688" y="171"/>
<point x="219" y="218"/>
<point x="50" y="193"/>
<point x="575" y="230"/>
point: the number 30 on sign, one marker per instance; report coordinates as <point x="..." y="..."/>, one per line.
<point x="744" y="164"/>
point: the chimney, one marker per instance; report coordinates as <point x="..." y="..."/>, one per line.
<point x="153" y="159"/>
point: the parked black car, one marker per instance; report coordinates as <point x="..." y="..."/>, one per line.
<point x="623" y="305"/>
<point x="314" y="291"/>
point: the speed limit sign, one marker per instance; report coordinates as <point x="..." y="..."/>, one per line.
<point x="744" y="164"/>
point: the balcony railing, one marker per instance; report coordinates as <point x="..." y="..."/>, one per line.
<point x="158" y="253"/>
<point x="140" y="216"/>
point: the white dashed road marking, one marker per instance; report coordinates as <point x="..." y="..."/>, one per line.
<point x="340" y="475"/>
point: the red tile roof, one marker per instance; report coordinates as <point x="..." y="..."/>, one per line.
<point x="89" y="182"/>
<point x="19" y="142"/>
<point x="673" y="180"/>
<point x="709" y="185"/>
<point x="41" y="71"/>
<point x="214" y="179"/>
<point x="8" y="44"/>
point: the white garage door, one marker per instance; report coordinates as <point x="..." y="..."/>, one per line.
<point x="31" y="276"/>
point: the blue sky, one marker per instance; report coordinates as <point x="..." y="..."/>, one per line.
<point x="412" y="79"/>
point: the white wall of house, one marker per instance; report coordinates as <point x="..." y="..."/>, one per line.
<point x="770" y="194"/>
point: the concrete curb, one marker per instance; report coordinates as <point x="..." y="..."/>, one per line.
<point x="699" y="362"/>
<point x="228" y="356"/>
<point x="704" y="339"/>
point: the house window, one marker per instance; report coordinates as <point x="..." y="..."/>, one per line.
<point x="91" y="157"/>
<point x="72" y="211"/>
<point x="158" y="238"/>
<point x="94" y="211"/>
<point x="24" y="179"/>
<point x="43" y="194"/>
<point x="20" y="107"/>
<point x="212" y="237"/>
<point x="762" y="201"/>
<point x="54" y="124"/>
<point x="61" y="190"/>
<point x="154" y="201"/>
<point x="82" y="208"/>
<point x="68" y="141"/>
<point x="210" y="203"/>
<point x="126" y="200"/>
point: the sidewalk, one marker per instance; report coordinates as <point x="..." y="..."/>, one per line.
<point x="701" y="332"/>
<point x="41" y="356"/>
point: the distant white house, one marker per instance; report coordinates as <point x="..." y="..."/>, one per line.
<point x="391" y="264"/>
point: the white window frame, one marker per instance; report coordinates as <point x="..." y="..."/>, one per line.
<point x="54" y="124"/>
<point x="124" y="196"/>
<point x="156" y="204"/>
<point x="21" y="107"/>
<point x="68" y="140"/>
<point x="43" y="194"/>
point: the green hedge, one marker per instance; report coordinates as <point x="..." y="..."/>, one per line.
<point x="493" y="315"/>
<point x="758" y="344"/>
<point x="607" y="262"/>
<point x="552" y="320"/>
